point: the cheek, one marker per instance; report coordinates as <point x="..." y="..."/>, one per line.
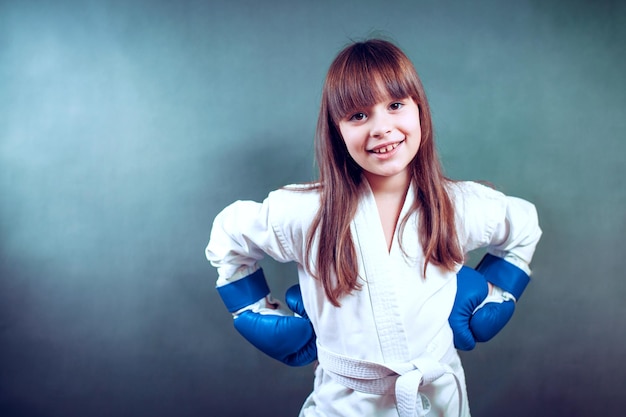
<point x="352" y="149"/>
<point x="351" y="139"/>
<point x="417" y="131"/>
<point x="417" y="124"/>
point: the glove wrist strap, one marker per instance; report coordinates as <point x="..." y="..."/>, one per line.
<point x="504" y="274"/>
<point x="245" y="291"/>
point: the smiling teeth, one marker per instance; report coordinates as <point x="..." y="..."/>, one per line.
<point x="387" y="148"/>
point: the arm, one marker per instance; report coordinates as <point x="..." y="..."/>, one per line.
<point x="242" y="234"/>
<point x="486" y="297"/>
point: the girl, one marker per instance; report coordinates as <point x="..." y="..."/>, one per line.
<point x="378" y="241"/>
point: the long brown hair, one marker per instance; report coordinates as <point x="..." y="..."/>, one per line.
<point x="354" y="82"/>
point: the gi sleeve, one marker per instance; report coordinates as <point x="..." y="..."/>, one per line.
<point x="506" y="226"/>
<point x="242" y="234"/>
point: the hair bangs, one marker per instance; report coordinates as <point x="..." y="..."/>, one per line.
<point x="367" y="74"/>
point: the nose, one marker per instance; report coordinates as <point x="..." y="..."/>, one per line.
<point x="381" y="125"/>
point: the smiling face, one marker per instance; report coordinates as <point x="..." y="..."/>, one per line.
<point x="369" y="85"/>
<point x="383" y="138"/>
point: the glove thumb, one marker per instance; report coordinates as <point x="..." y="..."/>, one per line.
<point x="308" y="353"/>
<point x="293" y="298"/>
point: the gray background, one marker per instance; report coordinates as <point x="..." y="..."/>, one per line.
<point x="126" y="126"/>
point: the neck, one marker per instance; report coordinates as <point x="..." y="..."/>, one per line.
<point x="394" y="185"/>
<point x="389" y="194"/>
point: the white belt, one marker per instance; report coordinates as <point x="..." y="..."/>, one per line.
<point x="406" y="378"/>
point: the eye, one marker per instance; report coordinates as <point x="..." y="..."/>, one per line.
<point x="396" y="106"/>
<point x="356" y="117"/>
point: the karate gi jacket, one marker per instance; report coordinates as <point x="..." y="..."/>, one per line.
<point x="398" y="320"/>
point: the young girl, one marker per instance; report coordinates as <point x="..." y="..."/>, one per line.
<point x="378" y="241"/>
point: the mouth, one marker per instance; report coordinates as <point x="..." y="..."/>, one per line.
<point x="386" y="148"/>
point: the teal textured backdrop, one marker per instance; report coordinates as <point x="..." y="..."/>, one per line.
<point x="126" y="126"/>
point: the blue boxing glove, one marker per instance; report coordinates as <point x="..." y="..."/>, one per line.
<point x="263" y="321"/>
<point x="478" y="316"/>
<point x="509" y="282"/>
<point x="471" y="290"/>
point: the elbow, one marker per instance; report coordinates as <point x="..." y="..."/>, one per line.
<point x="522" y="231"/>
<point x="529" y="232"/>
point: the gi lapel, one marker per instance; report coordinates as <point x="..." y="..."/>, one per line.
<point x="379" y="270"/>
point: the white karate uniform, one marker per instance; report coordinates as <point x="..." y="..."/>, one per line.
<point x="397" y="323"/>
